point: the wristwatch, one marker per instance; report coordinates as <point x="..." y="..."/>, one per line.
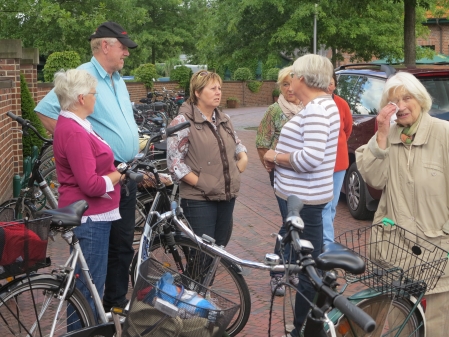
<point x="274" y="159"/>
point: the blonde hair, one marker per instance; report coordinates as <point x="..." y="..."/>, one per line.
<point x="406" y="82"/>
<point x="95" y="44"/>
<point x="72" y="83"/>
<point x="283" y="73"/>
<point x="316" y="70"/>
<point x="199" y="80"/>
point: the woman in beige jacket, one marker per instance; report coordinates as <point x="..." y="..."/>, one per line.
<point x="408" y="161"/>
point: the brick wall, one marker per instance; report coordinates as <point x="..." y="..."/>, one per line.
<point x="229" y="89"/>
<point x="436" y="32"/>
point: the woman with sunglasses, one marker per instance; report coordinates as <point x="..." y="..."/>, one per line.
<point x="207" y="159"/>
<point x="86" y="171"/>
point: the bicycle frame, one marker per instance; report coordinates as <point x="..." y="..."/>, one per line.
<point x="68" y="270"/>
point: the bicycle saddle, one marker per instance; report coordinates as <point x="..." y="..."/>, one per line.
<point x="335" y="255"/>
<point x="69" y="216"/>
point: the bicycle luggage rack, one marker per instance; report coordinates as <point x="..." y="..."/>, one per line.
<point x="398" y="262"/>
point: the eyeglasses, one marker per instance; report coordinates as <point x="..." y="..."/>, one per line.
<point x="92" y="93"/>
<point x="203" y="73"/>
<point x="292" y="74"/>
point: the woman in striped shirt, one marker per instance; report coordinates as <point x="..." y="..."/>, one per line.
<point x="304" y="158"/>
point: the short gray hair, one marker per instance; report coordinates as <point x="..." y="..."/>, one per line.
<point x="283" y="73"/>
<point x="72" y="83"/>
<point x="316" y="70"/>
<point x="95" y="44"/>
<point x="410" y="84"/>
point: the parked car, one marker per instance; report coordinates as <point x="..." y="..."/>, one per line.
<point x="361" y="85"/>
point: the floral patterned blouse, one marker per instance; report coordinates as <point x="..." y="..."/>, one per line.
<point x="270" y="127"/>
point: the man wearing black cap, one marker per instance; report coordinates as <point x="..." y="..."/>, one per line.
<point x="113" y="120"/>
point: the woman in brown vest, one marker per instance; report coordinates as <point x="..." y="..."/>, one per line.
<point x="207" y="159"/>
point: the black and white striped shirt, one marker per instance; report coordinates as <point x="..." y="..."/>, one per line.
<point x="311" y="138"/>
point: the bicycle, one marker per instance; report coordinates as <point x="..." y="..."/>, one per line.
<point x="324" y="284"/>
<point x="37" y="194"/>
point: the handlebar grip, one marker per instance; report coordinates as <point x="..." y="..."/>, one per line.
<point x="173" y="129"/>
<point x="137" y="177"/>
<point x="354" y="313"/>
<point x="18" y="119"/>
<point x="294" y="206"/>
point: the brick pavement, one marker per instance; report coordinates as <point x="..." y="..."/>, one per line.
<point x="256" y="216"/>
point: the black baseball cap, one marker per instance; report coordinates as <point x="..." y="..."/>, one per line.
<point x="113" y="29"/>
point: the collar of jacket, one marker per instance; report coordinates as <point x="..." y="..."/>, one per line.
<point x="193" y="113"/>
<point x="422" y="135"/>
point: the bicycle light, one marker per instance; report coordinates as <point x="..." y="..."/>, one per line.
<point x="272" y="259"/>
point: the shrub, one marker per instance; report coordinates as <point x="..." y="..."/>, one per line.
<point x="27" y="105"/>
<point x="272" y="74"/>
<point x="243" y="74"/>
<point x="276" y="92"/>
<point x="145" y="73"/>
<point x="254" y="86"/>
<point x="182" y="74"/>
<point x="232" y="99"/>
<point x="60" y="60"/>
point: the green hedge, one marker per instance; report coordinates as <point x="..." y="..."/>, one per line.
<point x="27" y="106"/>
<point x="146" y="73"/>
<point x="182" y="74"/>
<point x="60" y="60"/>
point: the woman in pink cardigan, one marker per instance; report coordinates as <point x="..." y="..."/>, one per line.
<point x="85" y="170"/>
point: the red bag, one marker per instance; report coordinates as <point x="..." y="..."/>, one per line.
<point x="19" y="244"/>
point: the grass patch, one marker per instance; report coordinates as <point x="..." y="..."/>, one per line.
<point x="252" y="128"/>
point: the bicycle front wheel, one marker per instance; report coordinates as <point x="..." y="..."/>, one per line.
<point x="390" y="315"/>
<point x="28" y="308"/>
<point x="227" y="281"/>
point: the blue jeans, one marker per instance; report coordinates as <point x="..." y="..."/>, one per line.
<point x="93" y="238"/>
<point x="331" y="208"/>
<point x="121" y="251"/>
<point x="213" y="218"/>
<point x="282" y="231"/>
<point x="313" y="231"/>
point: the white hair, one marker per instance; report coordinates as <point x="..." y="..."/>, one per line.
<point x="72" y="83"/>
<point x="316" y="70"/>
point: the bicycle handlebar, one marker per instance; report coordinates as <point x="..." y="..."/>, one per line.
<point x="26" y="124"/>
<point x="164" y="133"/>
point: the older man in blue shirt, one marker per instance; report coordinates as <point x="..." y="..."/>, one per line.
<point x="113" y="120"/>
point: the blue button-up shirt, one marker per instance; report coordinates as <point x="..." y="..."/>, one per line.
<point x="112" y="118"/>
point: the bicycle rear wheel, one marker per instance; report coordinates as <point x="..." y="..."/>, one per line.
<point x="21" y="302"/>
<point x="227" y="281"/>
<point x="389" y="315"/>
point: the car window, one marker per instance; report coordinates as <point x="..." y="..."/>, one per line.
<point x="438" y="89"/>
<point x="367" y="98"/>
<point x="346" y="85"/>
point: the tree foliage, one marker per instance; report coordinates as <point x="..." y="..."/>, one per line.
<point x="27" y="105"/>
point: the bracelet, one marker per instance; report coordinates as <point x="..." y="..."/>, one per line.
<point x="274" y="159"/>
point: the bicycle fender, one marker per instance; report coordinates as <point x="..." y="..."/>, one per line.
<point x="420" y="310"/>
<point x="24" y="279"/>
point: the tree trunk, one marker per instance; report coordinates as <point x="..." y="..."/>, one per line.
<point x="409" y="33"/>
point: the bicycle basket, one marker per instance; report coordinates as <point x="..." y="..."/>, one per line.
<point x="159" y="306"/>
<point x="397" y="261"/>
<point x="23" y="246"/>
<point x="6" y="214"/>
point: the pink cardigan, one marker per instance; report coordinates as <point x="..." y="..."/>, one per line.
<point x="81" y="161"/>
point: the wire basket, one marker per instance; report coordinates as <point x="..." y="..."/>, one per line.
<point x="398" y="262"/>
<point x="23" y="246"/>
<point x="157" y="312"/>
<point x="7" y="214"/>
